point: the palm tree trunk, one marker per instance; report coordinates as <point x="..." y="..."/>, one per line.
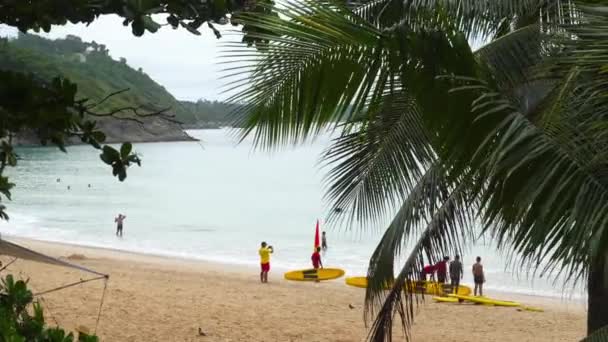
<point x="597" y="316"/>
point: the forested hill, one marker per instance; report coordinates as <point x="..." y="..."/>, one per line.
<point x="207" y="114"/>
<point x="98" y="75"/>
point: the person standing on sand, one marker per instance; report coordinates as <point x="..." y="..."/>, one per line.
<point x="316" y="260"/>
<point x="324" y="242"/>
<point x="478" y="276"/>
<point x="265" y="252"/>
<point x="119" y="219"/>
<point x="456" y="273"/>
<point x="442" y="270"/>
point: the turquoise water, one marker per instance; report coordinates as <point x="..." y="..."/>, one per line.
<point x="211" y="201"/>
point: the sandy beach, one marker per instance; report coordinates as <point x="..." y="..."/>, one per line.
<point x="152" y="298"/>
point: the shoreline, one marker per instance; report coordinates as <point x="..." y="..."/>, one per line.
<point x="154" y="298"/>
<point x="54" y="247"/>
<point x="186" y="138"/>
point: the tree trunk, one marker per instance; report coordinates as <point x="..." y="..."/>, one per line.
<point x="597" y="316"/>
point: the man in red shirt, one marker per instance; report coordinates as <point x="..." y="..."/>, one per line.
<point x="316" y="259"/>
<point x="428" y="270"/>
<point x="442" y="270"/>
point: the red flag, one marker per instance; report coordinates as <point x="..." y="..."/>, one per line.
<point x="317" y="244"/>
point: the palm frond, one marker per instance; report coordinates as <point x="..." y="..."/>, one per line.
<point x="541" y="200"/>
<point x="441" y="214"/>
<point x="378" y="162"/>
<point x="493" y="18"/>
<point x="318" y="68"/>
<point x="598" y="336"/>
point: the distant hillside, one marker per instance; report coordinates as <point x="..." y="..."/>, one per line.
<point x="98" y="75"/>
<point x="207" y="114"/>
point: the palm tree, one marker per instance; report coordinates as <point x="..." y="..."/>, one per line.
<point x="512" y="136"/>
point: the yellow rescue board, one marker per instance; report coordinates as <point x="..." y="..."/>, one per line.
<point x="428" y="287"/>
<point x="452" y="300"/>
<point x="486" y="300"/>
<point x="313" y="275"/>
<point x="533" y="309"/>
<point x="361" y="282"/>
<point x="445" y="299"/>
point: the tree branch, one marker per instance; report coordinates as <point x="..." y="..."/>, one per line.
<point x="106" y="98"/>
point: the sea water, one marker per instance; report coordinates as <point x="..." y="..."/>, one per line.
<point x="215" y="200"/>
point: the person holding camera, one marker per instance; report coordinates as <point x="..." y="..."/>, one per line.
<point x="265" y="252"/>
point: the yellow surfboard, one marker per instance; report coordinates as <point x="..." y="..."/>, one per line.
<point x="427" y="287"/>
<point x="486" y="300"/>
<point x="445" y="299"/>
<point x="361" y="282"/>
<point x="312" y="274"/>
<point x="452" y="300"/>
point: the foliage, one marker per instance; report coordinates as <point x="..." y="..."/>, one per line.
<point x="98" y="75"/>
<point x="512" y="136"/>
<point x="46" y="101"/>
<point x="141" y="15"/>
<point x="599" y="336"/>
<point x="53" y="112"/>
<point x="22" y="319"/>
<point x="205" y="113"/>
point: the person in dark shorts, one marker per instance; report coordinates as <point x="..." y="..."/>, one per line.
<point x="324" y="242"/>
<point x="442" y="270"/>
<point x="456" y="273"/>
<point x="478" y="277"/>
<point x="119" y="221"/>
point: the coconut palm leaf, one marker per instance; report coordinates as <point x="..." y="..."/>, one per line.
<point x="541" y="201"/>
<point x="487" y="18"/>
<point x="442" y="217"/>
<point x="378" y="162"/>
<point x="289" y="90"/>
<point x="598" y="336"/>
<point x="525" y="151"/>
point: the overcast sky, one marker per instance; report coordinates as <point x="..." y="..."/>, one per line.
<point x="186" y="64"/>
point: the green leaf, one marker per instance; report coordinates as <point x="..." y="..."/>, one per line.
<point x="111" y="153"/>
<point x="190" y="28"/>
<point x="106" y="159"/>
<point x="121" y="172"/>
<point x="138" y="27"/>
<point x="150" y="24"/>
<point x="125" y="150"/>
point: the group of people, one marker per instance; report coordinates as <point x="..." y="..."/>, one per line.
<point x="441" y="268"/>
<point x="265" y="251"/>
<point x="456" y="273"/>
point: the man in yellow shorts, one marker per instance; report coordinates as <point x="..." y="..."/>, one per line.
<point x="265" y="252"/>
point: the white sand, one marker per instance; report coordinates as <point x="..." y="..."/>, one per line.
<point x="161" y="299"/>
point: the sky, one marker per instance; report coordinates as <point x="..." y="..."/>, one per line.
<point x="185" y="64"/>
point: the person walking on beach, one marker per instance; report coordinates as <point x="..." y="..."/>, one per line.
<point x="456" y="273"/>
<point x="265" y="252"/>
<point x="442" y="270"/>
<point x="324" y="242"/>
<point x="478" y="276"/>
<point x="119" y="219"/>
